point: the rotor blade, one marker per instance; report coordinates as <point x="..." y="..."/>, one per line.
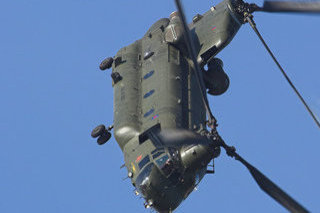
<point x="179" y="137"/>
<point x="193" y="56"/>
<point x="272" y="189"/>
<point x="290" y="6"/>
<point x="265" y="183"/>
<point x="253" y="25"/>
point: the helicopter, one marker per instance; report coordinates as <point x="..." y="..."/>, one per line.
<point x="161" y="110"/>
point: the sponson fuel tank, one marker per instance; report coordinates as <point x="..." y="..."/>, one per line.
<point x="127" y="93"/>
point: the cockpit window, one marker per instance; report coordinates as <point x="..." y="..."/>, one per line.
<point x="157" y="154"/>
<point x="144" y="161"/>
<point x="165" y="164"/>
<point x="143" y="181"/>
<point x="157" y="149"/>
<point x="161" y="161"/>
<point x="199" y="175"/>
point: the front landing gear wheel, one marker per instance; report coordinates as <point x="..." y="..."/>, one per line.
<point x="104" y="138"/>
<point x="98" y="131"/>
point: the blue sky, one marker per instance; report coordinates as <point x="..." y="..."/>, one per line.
<point x="53" y="94"/>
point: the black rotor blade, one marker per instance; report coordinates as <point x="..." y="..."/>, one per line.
<point x="265" y="183"/>
<point x="193" y="57"/>
<point x="253" y="25"/>
<point x="290" y="6"/>
<point x="180" y="137"/>
<point x="272" y="189"/>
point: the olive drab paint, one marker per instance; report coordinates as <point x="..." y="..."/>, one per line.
<point x="155" y="89"/>
<point x="163" y="86"/>
<point x="160" y="106"/>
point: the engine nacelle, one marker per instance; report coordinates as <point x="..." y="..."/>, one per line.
<point x="216" y="80"/>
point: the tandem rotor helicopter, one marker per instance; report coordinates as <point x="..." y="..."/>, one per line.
<point x="162" y="119"/>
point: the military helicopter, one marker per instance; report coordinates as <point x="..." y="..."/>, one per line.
<point x="162" y="119"/>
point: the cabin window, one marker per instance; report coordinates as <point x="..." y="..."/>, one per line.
<point x="148" y="94"/>
<point x="148" y="113"/>
<point x="144" y="161"/>
<point x="149" y="74"/>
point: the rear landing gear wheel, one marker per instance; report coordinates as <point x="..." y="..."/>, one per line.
<point x="104" y="138"/>
<point x="98" y="131"/>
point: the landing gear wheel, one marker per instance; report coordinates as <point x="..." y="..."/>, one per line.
<point x="99" y="130"/>
<point x="104" y="138"/>
<point x="106" y="63"/>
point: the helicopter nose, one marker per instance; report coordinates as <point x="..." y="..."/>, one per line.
<point x="165" y="200"/>
<point x="159" y="192"/>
